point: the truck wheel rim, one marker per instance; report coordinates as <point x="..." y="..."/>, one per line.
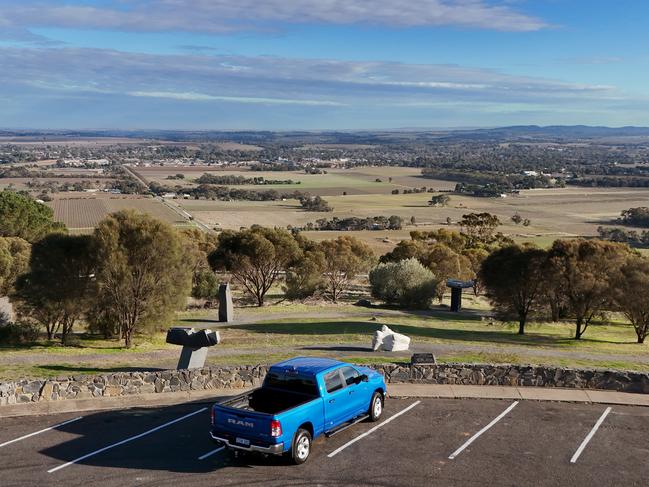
<point x="303" y="448"/>
<point x="377" y="407"/>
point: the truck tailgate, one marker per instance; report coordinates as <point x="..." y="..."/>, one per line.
<point x="243" y="423"/>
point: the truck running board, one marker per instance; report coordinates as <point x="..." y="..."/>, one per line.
<point x="344" y="426"/>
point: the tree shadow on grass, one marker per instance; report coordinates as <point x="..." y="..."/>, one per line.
<point x="447" y="314"/>
<point x="199" y="320"/>
<point x="503" y="336"/>
<point x="339" y="348"/>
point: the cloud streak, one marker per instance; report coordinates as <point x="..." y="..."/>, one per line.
<point x="274" y="80"/>
<point x="80" y="87"/>
<point x="172" y="95"/>
<point x="223" y="16"/>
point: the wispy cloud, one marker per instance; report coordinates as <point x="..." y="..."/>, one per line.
<point x="593" y="60"/>
<point x="86" y="87"/>
<point x="219" y="16"/>
<point x="266" y="79"/>
<point x="174" y="95"/>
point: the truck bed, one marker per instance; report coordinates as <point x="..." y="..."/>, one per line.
<point x="269" y="401"/>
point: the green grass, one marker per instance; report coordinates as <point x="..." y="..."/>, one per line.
<point x="273" y="339"/>
<point x="89" y="345"/>
<point x="444" y="327"/>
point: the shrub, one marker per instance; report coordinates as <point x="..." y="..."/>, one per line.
<point x="406" y="283"/>
<point x="304" y="279"/>
<point x="206" y="285"/>
<point x="16" y="333"/>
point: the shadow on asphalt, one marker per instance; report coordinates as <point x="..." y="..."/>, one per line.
<point x="174" y="448"/>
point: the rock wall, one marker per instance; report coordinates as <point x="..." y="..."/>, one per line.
<point x="517" y="375"/>
<point x="130" y="383"/>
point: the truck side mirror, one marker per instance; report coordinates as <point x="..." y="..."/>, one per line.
<point x="363" y="378"/>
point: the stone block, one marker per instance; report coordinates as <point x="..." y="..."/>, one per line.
<point x="112" y="391"/>
<point x="47" y="391"/>
<point x="226" y="307"/>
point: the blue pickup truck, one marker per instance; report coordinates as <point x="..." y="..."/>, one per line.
<point x="299" y="400"/>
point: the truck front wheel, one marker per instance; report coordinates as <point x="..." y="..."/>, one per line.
<point x="376" y="407"/>
<point x="301" y="446"/>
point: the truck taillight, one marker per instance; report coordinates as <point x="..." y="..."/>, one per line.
<point x="275" y="428"/>
<point x="213" y="414"/>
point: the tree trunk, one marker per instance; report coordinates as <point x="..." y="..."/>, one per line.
<point x="641" y="338"/>
<point x="578" y="331"/>
<point x="554" y="308"/>
<point x="128" y="339"/>
<point x="521" y="326"/>
<point x="66" y="329"/>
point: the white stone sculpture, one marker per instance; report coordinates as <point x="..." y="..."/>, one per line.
<point x="387" y="340"/>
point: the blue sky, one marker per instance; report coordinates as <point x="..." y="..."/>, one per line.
<point x="322" y="64"/>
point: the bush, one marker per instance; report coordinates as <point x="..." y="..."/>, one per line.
<point x="206" y="285"/>
<point x="16" y="333"/>
<point x="406" y="283"/>
<point x="304" y="279"/>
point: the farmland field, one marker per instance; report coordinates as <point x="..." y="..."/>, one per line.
<point x="22" y="183"/>
<point x="554" y="213"/>
<point x="334" y="183"/>
<point x="83" y="213"/>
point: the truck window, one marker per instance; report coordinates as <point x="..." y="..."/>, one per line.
<point x="291" y="382"/>
<point x="349" y="375"/>
<point x="333" y="382"/>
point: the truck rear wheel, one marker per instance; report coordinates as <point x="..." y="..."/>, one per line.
<point x="301" y="448"/>
<point x="376" y="407"/>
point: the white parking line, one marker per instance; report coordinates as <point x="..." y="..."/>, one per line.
<point x="590" y="435"/>
<point x="210" y="453"/>
<point x="39" y="432"/>
<point x="477" y="435"/>
<point x="372" y="430"/>
<point x="96" y="452"/>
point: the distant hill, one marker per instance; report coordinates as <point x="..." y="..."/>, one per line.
<point x="516" y="132"/>
<point x="570" y="131"/>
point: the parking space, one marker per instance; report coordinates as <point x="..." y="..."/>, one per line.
<point x="489" y="442"/>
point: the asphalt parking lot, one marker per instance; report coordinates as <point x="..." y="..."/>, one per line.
<point x="418" y="442"/>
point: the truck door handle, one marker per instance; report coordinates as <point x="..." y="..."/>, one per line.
<point x="351" y="392"/>
<point x="331" y="401"/>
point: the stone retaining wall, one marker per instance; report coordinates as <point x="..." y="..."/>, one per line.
<point x="517" y="375"/>
<point x="131" y="383"/>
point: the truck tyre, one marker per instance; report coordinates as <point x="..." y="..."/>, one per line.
<point x="301" y="448"/>
<point x="376" y="406"/>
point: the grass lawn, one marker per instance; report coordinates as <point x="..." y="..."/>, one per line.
<point x="277" y="332"/>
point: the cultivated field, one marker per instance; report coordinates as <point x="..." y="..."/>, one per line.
<point x="554" y="213"/>
<point x="21" y="184"/>
<point x="83" y="213"/>
<point x="334" y="183"/>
